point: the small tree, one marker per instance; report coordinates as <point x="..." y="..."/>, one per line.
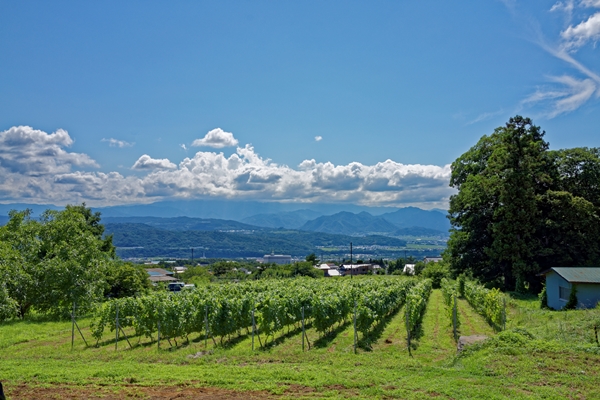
<point x="572" y="303"/>
<point x="543" y="297"/>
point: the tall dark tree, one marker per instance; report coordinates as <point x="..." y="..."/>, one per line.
<point x="521" y="208"/>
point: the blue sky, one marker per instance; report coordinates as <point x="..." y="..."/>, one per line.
<point x="349" y="102"/>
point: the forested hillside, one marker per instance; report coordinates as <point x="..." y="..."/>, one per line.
<point x="140" y="240"/>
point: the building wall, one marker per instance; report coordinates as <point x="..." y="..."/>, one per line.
<point x="553" y="282"/>
<point x="588" y="294"/>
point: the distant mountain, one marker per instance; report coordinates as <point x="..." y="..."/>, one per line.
<point x="347" y="223"/>
<point x="445" y="212"/>
<point x="412" y="216"/>
<point x="141" y="240"/>
<point x="184" y="223"/>
<point x="3" y="220"/>
<point x="224" y="209"/>
<point x="36" y="208"/>
<point x="289" y="220"/>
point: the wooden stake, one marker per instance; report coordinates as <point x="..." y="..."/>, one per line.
<point x="117" y="326"/>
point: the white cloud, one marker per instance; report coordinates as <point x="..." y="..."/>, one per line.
<point x="318" y="138"/>
<point x="242" y="175"/>
<point x="28" y="151"/>
<point x="566" y="6"/>
<point x="590" y="3"/>
<point x="117" y="143"/>
<point x="216" y="138"/>
<point x="578" y="35"/>
<point x="571" y="96"/>
<point x="568" y="92"/>
<point x="147" y="162"/>
<point x="485" y="116"/>
<point x="183" y="146"/>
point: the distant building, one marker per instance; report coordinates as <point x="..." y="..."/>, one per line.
<point x="357" y="269"/>
<point x="277" y="259"/>
<point x="432" y="259"/>
<point x="561" y="280"/>
<point x="329" y="270"/>
<point x="409" y="269"/>
<point x="160" y="275"/>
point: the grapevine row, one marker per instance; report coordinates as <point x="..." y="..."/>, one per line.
<point x="450" y="292"/>
<point x="489" y="303"/>
<point x="416" y="301"/>
<point x="219" y="311"/>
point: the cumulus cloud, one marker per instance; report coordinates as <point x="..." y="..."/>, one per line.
<point x="216" y="138"/>
<point x="117" y="143"/>
<point x="582" y="33"/>
<point x="242" y="175"/>
<point x="147" y="162"/>
<point x="32" y="152"/>
<point x="318" y="138"/>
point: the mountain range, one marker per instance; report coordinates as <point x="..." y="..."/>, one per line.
<point x="141" y="240"/>
<point x="295" y="232"/>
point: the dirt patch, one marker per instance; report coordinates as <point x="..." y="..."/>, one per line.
<point x="130" y="392"/>
<point x="464" y="341"/>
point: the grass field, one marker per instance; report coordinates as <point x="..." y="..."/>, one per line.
<point x="556" y="357"/>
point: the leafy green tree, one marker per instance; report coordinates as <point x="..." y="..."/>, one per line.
<point x="19" y="263"/>
<point x="312" y="258"/>
<point x="521" y="208"/>
<point x="198" y="275"/>
<point x="419" y="267"/>
<point x="223" y="267"/>
<point x="51" y="263"/>
<point x="124" y="279"/>
<point x="436" y="271"/>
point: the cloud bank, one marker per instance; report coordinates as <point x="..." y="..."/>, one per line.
<point x="36" y="168"/>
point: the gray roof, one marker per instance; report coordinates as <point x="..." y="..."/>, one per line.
<point x="578" y="274"/>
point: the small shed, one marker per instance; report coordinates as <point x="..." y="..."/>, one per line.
<point x="560" y="282"/>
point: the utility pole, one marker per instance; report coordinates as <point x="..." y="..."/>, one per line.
<point x="192" y="256"/>
<point x="351" y="269"/>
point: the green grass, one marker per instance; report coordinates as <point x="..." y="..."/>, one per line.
<point x="510" y="365"/>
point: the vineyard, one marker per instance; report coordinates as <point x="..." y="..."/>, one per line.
<point x="367" y="337"/>
<point x="262" y="309"/>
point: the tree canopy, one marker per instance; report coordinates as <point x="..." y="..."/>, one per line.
<point x="49" y="263"/>
<point x="521" y="208"/>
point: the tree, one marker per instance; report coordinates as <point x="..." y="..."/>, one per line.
<point x="124" y="279"/>
<point x="51" y="263"/>
<point x="521" y="208"/>
<point x="312" y="258"/>
<point x="19" y="260"/>
<point x="436" y="271"/>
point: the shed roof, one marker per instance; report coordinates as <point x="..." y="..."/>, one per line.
<point x="577" y="274"/>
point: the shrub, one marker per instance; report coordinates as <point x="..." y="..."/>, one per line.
<point x="572" y="303"/>
<point x="436" y="271"/>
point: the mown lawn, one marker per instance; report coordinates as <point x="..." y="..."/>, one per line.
<point x="554" y="358"/>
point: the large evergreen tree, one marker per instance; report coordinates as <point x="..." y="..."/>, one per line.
<point x="521" y="208"/>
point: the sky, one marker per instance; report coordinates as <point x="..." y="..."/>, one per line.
<point x="349" y="102"/>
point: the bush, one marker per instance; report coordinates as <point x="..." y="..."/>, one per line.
<point x="572" y="303"/>
<point x="436" y="271"/>
<point x="543" y="298"/>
